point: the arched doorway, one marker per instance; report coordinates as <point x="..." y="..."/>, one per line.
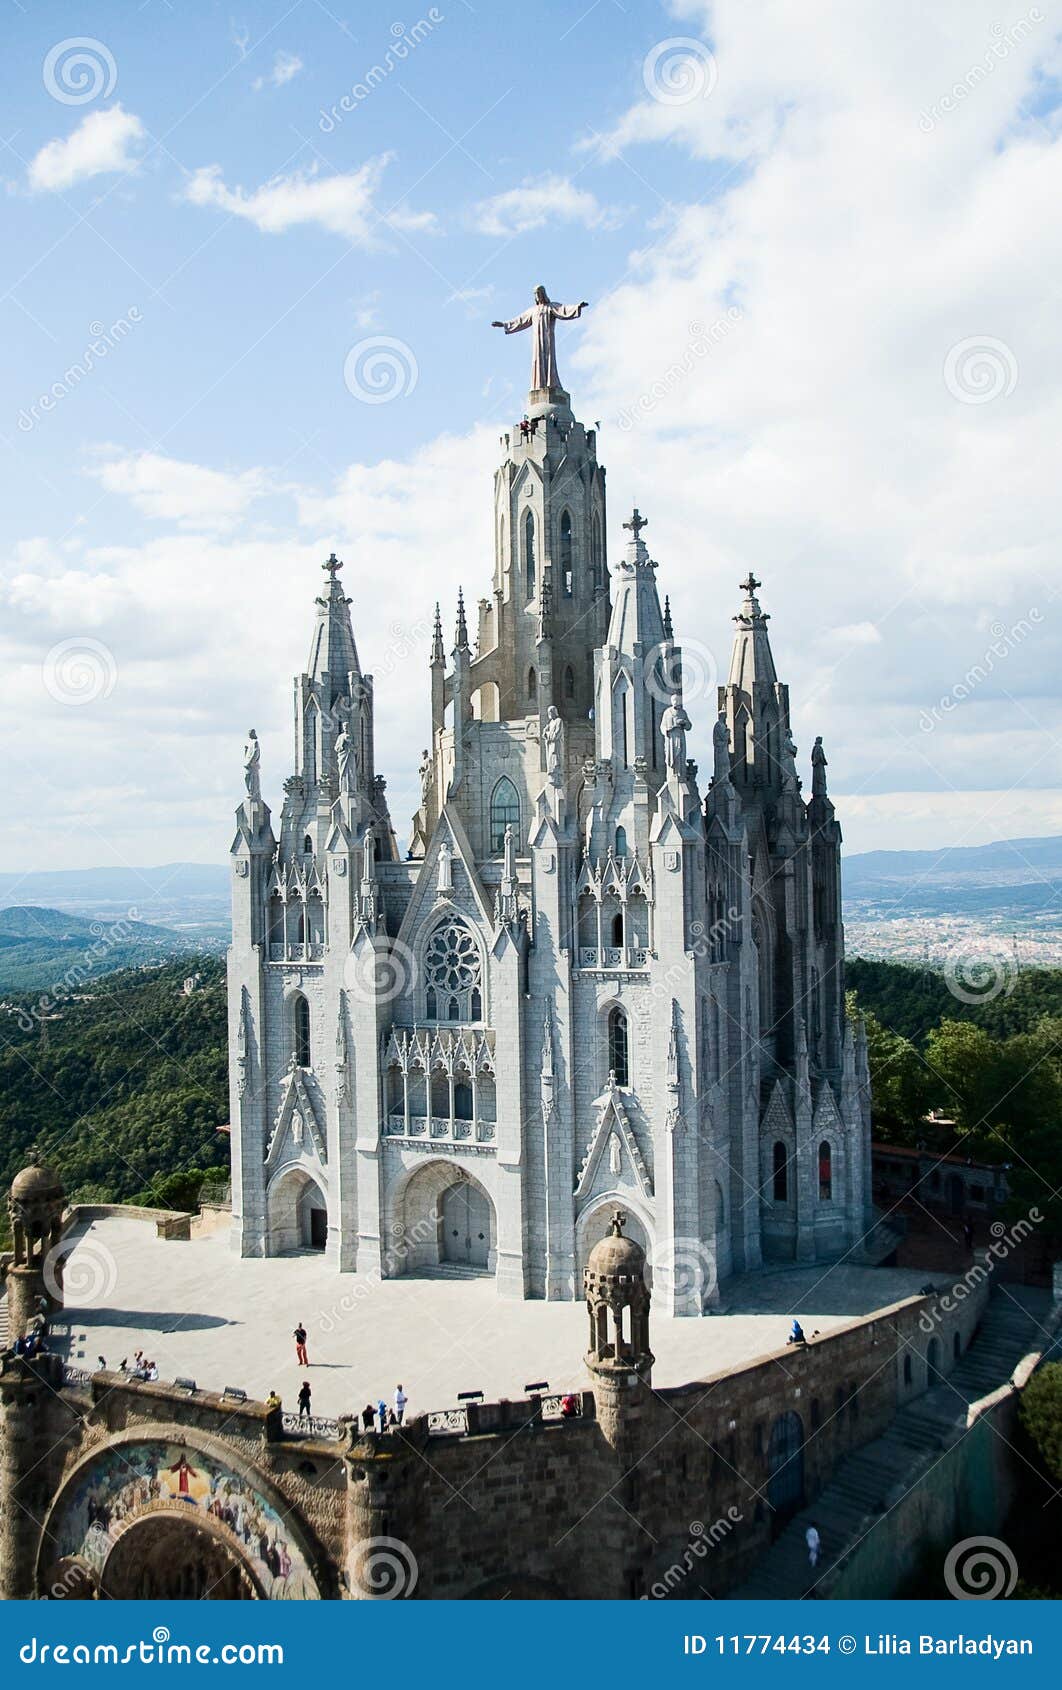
<point x="298" y="1213"/>
<point x="442" y="1218"/>
<point x="464" y="1216"/>
<point x="785" y="1468"/>
<point x="164" y="1558"/>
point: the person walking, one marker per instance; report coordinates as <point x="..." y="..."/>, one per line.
<point x="814" y="1543"/>
<point x="300" y="1346"/>
<point x="400" y="1404"/>
<point x="304" y="1400"/>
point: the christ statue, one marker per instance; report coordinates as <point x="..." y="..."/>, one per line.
<point x="541" y="317"/>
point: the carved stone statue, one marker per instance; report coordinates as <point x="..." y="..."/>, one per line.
<point x="368" y="846"/>
<point x="542" y="317"/>
<point x="721" y="749"/>
<point x="446" y="867"/>
<point x="509" y="854"/>
<point x="424" y="772"/>
<point x="674" y="725"/>
<point x="252" y="757"/>
<point x="346" y="760"/>
<point x="297" y="1126"/>
<point x="818" y="769"/>
<point x="553" y="735"/>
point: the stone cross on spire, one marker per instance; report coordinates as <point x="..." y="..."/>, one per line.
<point x="750" y="585"/>
<point x="638" y="522"/>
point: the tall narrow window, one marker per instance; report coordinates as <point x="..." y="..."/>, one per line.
<point x="529" y="554"/>
<point x="302" y="1032"/>
<point x="532" y="686"/>
<point x="781" y="1173"/>
<point x="569" y="682"/>
<point x="504" y="812"/>
<point x="312" y="722"/>
<point x="825" y="1172"/>
<point x="618" y="1059"/>
<point x="595" y="549"/>
<point x="566" y="554"/>
<point x="621" y="843"/>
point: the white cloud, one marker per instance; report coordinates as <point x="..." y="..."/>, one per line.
<point x="285" y="66"/>
<point x="187" y="494"/>
<point x="549" y="199"/>
<point x="102" y="144"/>
<point x="342" y="204"/>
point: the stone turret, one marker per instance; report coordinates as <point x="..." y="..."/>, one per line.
<point x="619" y="1357"/>
<point x="35" y="1205"/>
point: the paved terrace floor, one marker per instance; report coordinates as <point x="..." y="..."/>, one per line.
<point x="202" y="1313"/>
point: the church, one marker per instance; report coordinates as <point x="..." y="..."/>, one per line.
<point x="590" y="979"/>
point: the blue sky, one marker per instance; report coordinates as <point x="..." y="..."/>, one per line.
<point x="821" y="246"/>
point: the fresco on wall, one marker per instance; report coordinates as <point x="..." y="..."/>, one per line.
<point x="127" y="1481"/>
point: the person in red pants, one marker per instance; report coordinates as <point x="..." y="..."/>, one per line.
<point x="300" y="1346"/>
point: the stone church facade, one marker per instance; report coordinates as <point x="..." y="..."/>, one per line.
<point x="587" y="982"/>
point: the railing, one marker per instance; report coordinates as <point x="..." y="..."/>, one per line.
<point x="623" y="957"/>
<point x="310" y="1426"/>
<point x="448" y="1423"/>
<point x="279" y="952"/>
<point x="440" y="1127"/>
<point x="76" y="1378"/>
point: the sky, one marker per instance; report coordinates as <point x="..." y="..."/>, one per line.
<point x="250" y="263"/>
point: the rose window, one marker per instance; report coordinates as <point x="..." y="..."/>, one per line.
<point x="452" y="975"/>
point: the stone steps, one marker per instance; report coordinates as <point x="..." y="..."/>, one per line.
<point x="859" y="1492"/>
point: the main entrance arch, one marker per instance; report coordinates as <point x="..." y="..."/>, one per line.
<point x="443" y="1217"/>
<point x="170" y="1557"/>
<point x="298" y="1213"/>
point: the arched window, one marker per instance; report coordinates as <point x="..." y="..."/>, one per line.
<point x="956" y="1345"/>
<point x="621" y="843"/>
<point x="301" y="1019"/>
<point x="566" y="554"/>
<point x="532" y="686"/>
<point x="569" y="682"/>
<point x="617" y="929"/>
<point x="618" y="1060"/>
<point x="595" y="548"/>
<point x="720" y="1207"/>
<point x="781" y="1173"/>
<point x="307" y="846"/>
<point x="825" y="1172"/>
<point x="907" y="1368"/>
<point x="504" y="812"/>
<point x="452" y="974"/>
<point x="933" y="1362"/>
<point x="462" y="1101"/>
<point x="529" y="555"/>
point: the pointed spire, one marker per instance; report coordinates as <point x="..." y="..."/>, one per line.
<point x="751" y="660"/>
<point x="332" y="649"/>
<point x="669" y="632"/>
<point x="438" y="654"/>
<point x="461" y="637"/>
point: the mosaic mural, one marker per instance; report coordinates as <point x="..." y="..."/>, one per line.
<point x="128" y="1481"/>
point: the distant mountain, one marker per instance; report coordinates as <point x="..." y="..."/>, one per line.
<point x="169" y="881"/>
<point x="1007" y="862"/>
<point x="57" y="953"/>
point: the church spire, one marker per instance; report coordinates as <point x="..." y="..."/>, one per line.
<point x="754" y="701"/>
<point x="333" y="653"/>
<point x="461" y="636"/>
<point x="438" y="653"/>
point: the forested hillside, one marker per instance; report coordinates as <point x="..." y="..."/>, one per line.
<point x="124" y="1087"/>
<point x="994" y="1067"/>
